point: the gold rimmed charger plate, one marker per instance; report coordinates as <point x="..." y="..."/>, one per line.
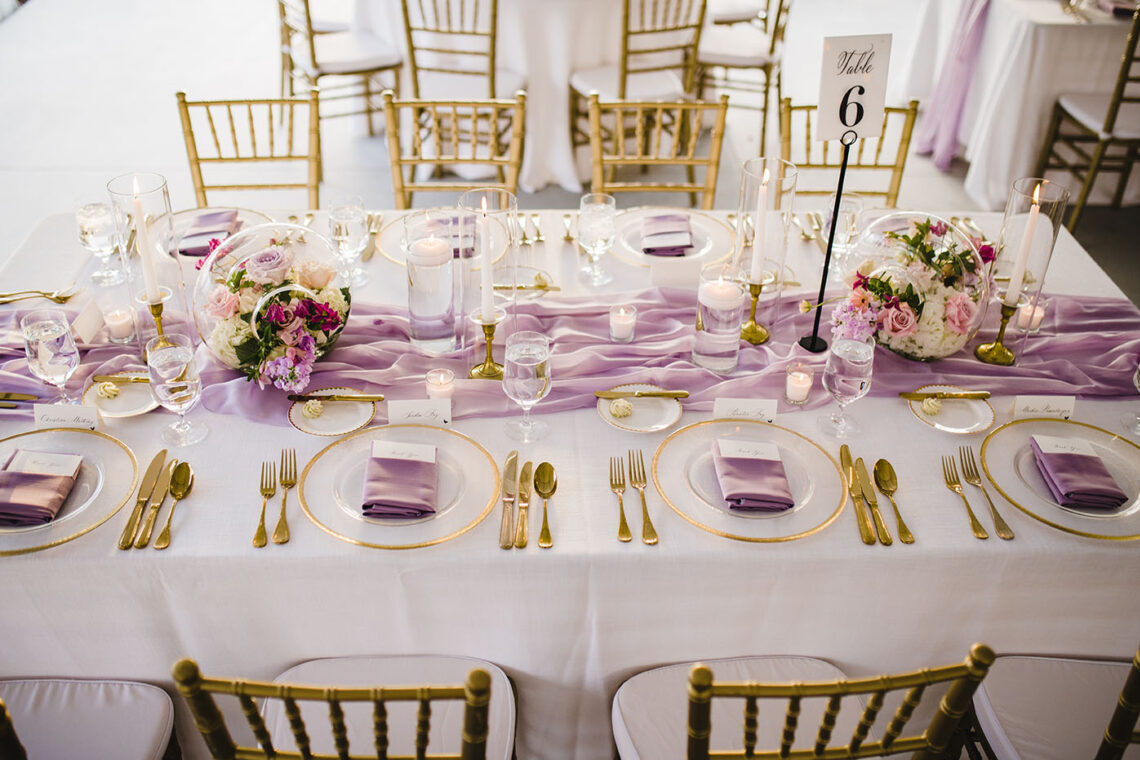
<point x="390" y="242"/>
<point x="248" y="217"/>
<point x="961" y="416"/>
<point x="107" y="480"/>
<point x="684" y="476"/>
<point x="331" y="485"/>
<point x="1009" y="465"/>
<point x="713" y="239"/>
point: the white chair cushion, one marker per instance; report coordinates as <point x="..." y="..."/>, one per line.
<point x="412" y="670"/>
<point x="732" y="11"/>
<point x="650" y="85"/>
<point x="1090" y="110"/>
<point x="346" y="53"/>
<point x="1049" y="708"/>
<point x="650" y="710"/>
<point x="735" y="46"/>
<point x="63" y="718"/>
<point x="331" y="15"/>
<point x="440" y="85"/>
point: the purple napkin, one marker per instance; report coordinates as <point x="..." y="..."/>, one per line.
<point x="751" y="483"/>
<point x="207" y="226"/>
<point x="29" y="497"/>
<point x="1075" y="474"/>
<point x="400" y="480"/>
<point x="666" y="235"/>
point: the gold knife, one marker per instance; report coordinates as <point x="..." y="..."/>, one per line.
<point x="919" y="396"/>
<point x="18" y="397"/>
<point x="336" y="397"/>
<point x="373" y="229"/>
<point x="641" y="394"/>
<point x="869" y="496"/>
<point x="523" y="530"/>
<point x="156" y="499"/>
<point x="119" y="379"/>
<point x="527" y="287"/>
<point x="149" y="481"/>
<point x="866" y="531"/>
<point x="510" y="487"/>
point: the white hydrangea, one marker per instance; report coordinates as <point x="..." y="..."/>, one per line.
<point x="226" y="336"/>
<point x="933" y="338"/>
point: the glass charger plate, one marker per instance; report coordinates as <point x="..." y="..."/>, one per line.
<point x="331" y="484"/>
<point x="390" y="241"/>
<point x="957" y="415"/>
<point x="712" y="239"/>
<point x="133" y="399"/>
<point x="248" y="217"/>
<point x="1009" y="464"/>
<point x="107" y="479"/>
<point x="649" y="414"/>
<point x="684" y="476"/>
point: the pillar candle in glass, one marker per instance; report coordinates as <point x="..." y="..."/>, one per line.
<point x="721" y="301"/>
<point x="767" y="191"/>
<point x="489" y="218"/>
<point x="429" y="236"/>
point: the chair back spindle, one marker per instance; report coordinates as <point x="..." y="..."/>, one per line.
<point x="452" y="37"/>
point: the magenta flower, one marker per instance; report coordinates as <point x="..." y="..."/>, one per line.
<point x="938" y="229"/>
<point x="987" y="253"/>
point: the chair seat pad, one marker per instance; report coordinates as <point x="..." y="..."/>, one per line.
<point x="732" y="11"/>
<point x="650" y="85"/>
<point x="347" y="53"/>
<point x="411" y="670"/>
<point x="1048" y="708"/>
<point x="331" y="16"/>
<point x="1090" y="109"/>
<point x="440" y="85"/>
<point x="650" y="710"/>
<point x="736" y="47"/>
<point x="64" y="718"/>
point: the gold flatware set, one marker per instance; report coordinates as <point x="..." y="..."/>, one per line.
<point x="161" y="478"/>
<point x="870" y="520"/>
<point x="638" y="481"/>
<point x="974" y="478"/>
<point x="516" y="491"/>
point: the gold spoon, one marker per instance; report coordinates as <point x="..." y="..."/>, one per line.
<point x="545" y="484"/>
<point x="181" y="481"/>
<point x="888" y="483"/>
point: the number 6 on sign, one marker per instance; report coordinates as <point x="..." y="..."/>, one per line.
<point x="853" y="87"/>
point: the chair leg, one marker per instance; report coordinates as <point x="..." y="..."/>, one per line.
<point x="368" y="102"/>
<point x="1050" y="139"/>
<point x="1086" y="188"/>
<point x="767" y="72"/>
<point x="1131" y="155"/>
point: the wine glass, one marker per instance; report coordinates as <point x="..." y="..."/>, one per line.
<point x="51" y="351"/>
<point x="1132" y="421"/>
<point x="847" y="377"/>
<point x="96" y="226"/>
<point x="348" y="226"/>
<point x="526" y="380"/>
<point x="596" y="233"/>
<point x="175" y="383"/>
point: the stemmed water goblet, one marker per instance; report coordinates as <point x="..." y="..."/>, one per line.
<point x="596" y="233"/>
<point x="348" y="227"/>
<point x="847" y="377"/>
<point x="526" y="381"/>
<point x="175" y="383"/>
<point x="95" y="224"/>
<point x="52" y="355"/>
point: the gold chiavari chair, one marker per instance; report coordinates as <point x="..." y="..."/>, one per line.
<point x="334" y="21"/>
<point x="781" y="693"/>
<point x="1100" y="132"/>
<point x="456" y="720"/>
<point x="10" y="747"/>
<point x="627" y="135"/>
<point x="658" y="58"/>
<point x="734" y="11"/>
<point x="454" y="136"/>
<point x="868" y="161"/>
<point x="277" y="137"/>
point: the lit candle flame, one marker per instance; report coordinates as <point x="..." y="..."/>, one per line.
<point x="1037" y="194"/>
<point x="765" y="180"/>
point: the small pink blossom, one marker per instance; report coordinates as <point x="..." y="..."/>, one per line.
<point x="859" y="299"/>
<point x="960" y="313"/>
<point x="938" y="229"/>
<point x="899" y="321"/>
<point x="221" y="303"/>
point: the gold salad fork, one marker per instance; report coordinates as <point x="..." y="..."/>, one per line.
<point x="288" y="474"/>
<point x="950" y="475"/>
<point x="268" y="488"/>
<point x="617" y="485"/>
<point x="59" y="295"/>
<point x="637" y="480"/>
<point x="536" y="220"/>
<point x="974" y="478"/>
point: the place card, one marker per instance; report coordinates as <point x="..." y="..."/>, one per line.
<point x="65" y="415"/>
<point x="734" y="449"/>
<point x="1059" y="407"/>
<point x="853" y="87"/>
<point x="88" y="322"/>
<point x="1053" y="445"/>
<point x="45" y="463"/>
<point x="412" y="452"/>
<point x="432" y="411"/>
<point x="762" y="409"/>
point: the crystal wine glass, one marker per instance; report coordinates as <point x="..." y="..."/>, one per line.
<point x="596" y="232"/>
<point x="52" y="355"/>
<point x="847" y="377"/>
<point x="96" y="226"/>
<point x="348" y="226"/>
<point x="175" y="383"/>
<point x="526" y="380"/>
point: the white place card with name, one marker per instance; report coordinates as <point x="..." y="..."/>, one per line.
<point x="763" y="409"/>
<point x="1050" y="444"/>
<point x="748" y="449"/>
<point x="1059" y="407"/>
<point x="88" y="322"/>
<point x="432" y="411"/>
<point x="413" y="452"/>
<point x="65" y="415"/>
<point x="853" y="87"/>
<point x="45" y="463"/>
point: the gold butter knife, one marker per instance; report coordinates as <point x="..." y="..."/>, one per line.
<point x="917" y="396"/>
<point x="522" y="533"/>
<point x="366" y="397"/>
<point x="119" y="379"/>
<point x="149" y="481"/>
<point x="510" y="487"/>
<point x="156" y="499"/>
<point x="6" y="396"/>
<point x="869" y="496"/>
<point x="866" y="531"/>
<point x="641" y="394"/>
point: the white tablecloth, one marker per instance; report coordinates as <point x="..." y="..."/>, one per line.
<point x="568" y="624"/>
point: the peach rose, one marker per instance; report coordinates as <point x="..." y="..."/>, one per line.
<point x="310" y="274"/>
<point x="221" y="303"/>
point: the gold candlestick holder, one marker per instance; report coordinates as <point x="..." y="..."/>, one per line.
<point x="752" y="331"/>
<point x="996" y="353"/>
<point x="489" y="369"/>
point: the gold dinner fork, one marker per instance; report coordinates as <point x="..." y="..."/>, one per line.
<point x="268" y="488"/>
<point x="617" y="485"/>
<point x="637" y="480"/>
<point x="974" y="478"/>
<point x="807" y="236"/>
<point x="288" y="473"/>
<point x="950" y="475"/>
<point x="59" y="295"/>
<point x="523" y="227"/>
<point x="536" y="221"/>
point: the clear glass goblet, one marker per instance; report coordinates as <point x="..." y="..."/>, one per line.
<point x="526" y="381"/>
<point x="95" y="224"/>
<point x="847" y="377"/>
<point x="348" y="227"/>
<point x="175" y="383"/>
<point x="596" y="233"/>
<point x="52" y="355"/>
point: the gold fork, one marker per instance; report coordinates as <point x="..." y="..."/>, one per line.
<point x="637" y="480"/>
<point x="974" y="478"/>
<point x="950" y="475"/>
<point x="617" y="485"/>
<point x="523" y="225"/>
<point x="268" y="488"/>
<point x="288" y="474"/>
<point x="807" y="236"/>
<point x="538" y="236"/>
<point x="59" y="295"/>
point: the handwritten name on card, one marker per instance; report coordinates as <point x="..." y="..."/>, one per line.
<point x="432" y="411"/>
<point x="415" y="452"/>
<point x="853" y="86"/>
<point x="1050" y="444"/>
<point x="748" y="449"/>
<point x="65" y="415"/>
<point x="1059" y="407"/>
<point x="762" y="409"/>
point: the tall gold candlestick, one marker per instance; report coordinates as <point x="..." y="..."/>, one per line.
<point x="489" y="369"/>
<point x="752" y="331"/>
<point x="996" y="353"/>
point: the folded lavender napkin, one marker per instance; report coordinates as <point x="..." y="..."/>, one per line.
<point x="1074" y="473"/>
<point x="208" y="226"/>
<point x="400" y="480"/>
<point x="751" y="476"/>
<point x="31" y="494"/>
<point x="666" y="235"/>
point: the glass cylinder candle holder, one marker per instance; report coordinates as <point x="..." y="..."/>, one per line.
<point x="488" y="219"/>
<point x="623" y="323"/>
<point x="764" y="212"/>
<point x="431" y="279"/>
<point x="721" y="301"/>
<point x="798" y="380"/>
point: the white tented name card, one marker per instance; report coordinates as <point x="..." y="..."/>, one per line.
<point x="1053" y="445"/>
<point x="65" y="415"/>
<point x="413" y="452"/>
<point x="1059" y="407"/>
<point x="675" y="272"/>
<point x="748" y="449"/>
<point x="88" y="322"/>
<point x="432" y="411"/>
<point x="763" y="409"/>
<point x="45" y="463"/>
<point x="853" y="86"/>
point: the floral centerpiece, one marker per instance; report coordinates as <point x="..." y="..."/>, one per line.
<point x="268" y="303"/>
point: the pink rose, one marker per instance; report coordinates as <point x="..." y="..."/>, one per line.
<point x="269" y="267"/>
<point x="960" y="313"/>
<point x="291" y="333"/>
<point x="899" y="321"/>
<point x="221" y="303"/>
<point x="310" y="274"/>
